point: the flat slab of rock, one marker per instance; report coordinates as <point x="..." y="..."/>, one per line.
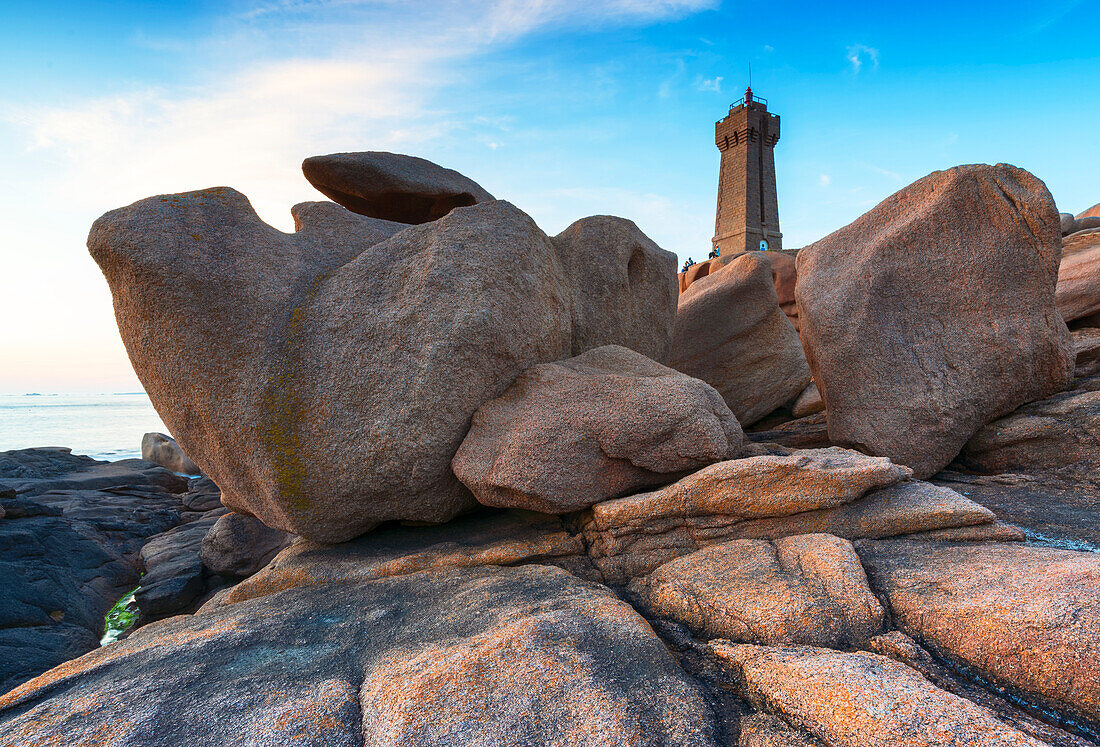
<point x="731" y="333"/>
<point x="805" y="589"/>
<point x="1026" y="618"/>
<point x="333" y="371"/>
<point x="576" y="432"/>
<point x="624" y="547"/>
<point x="922" y="323"/>
<point x="623" y="284"/>
<point x="862" y="699"/>
<point x="392" y="186"/>
<point x="508" y="656"/>
<point x="833" y="491"/>
<point x="502" y="538"/>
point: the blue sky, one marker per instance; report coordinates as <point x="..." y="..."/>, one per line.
<point x="565" y="108"/>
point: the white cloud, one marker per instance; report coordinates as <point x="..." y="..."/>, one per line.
<point x="709" y="84"/>
<point x="824" y="180"/>
<point x="857" y="52"/>
<point x="280" y="81"/>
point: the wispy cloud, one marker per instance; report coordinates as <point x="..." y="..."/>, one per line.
<point x="709" y="84"/>
<point x="824" y="180"/>
<point x="857" y="53"/>
<point x="892" y="175"/>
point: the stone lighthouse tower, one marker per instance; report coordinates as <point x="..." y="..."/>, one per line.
<point x="748" y="211"/>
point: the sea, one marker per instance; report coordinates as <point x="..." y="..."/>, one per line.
<point x="104" y="426"/>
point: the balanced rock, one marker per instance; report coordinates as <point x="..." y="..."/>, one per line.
<point x="333" y="371"/>
<point x="862" y="699"/>
<point x="392" y="186"/>
<point x="731" y="333"/>
<point x="1078" y="291"/>
<point x="1026" y="618"/>
<point x="163" y="450"/>
<point x="805" y="589"/>
<point x="576" y="432"/>
<point x="922" y="323"/>
<point x="509" y="656"/>
<point x="624" y="286"/>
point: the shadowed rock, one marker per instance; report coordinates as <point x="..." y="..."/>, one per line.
<point x="809" y="402"/>
<point x="1027" y="618"/>
<point x="69" y="549"/>
<point x="333" y="371"/>
<point x="731" y="334"/>
<point x="862" y="699"/>
<point x="806" y="589"/>
<point x="624" y="286"/>
<point x="576" y="432"/>
<point x="392" y="186"/>
<point x="488" y="538"/>
<point x="239" y="545"/>
<point x="922" y="322"/>
<point x="509" y="656"/>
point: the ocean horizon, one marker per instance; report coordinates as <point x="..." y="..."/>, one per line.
<point x="106" y="426"/>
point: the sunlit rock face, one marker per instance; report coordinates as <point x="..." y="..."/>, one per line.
<point x="934" y="313"/>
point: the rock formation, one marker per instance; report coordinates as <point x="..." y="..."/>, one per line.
<point x="388" y="339"/>
<point x="731" y="334"/>
<point x="803" y="589"/>
<point x="623" y="286"/>
<point x="69" y="545"/>
<point x="607" y="423"/>
<point x="392" y="186"/>
<point x="921" y="324"/>
<point x="489" y="655"/>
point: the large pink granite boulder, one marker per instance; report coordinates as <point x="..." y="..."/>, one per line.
<point x="325" y="378"/>
<point x="607" y="423"/>
<point x="934" y="313"/>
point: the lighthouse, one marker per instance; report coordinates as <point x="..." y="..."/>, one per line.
<point x="748" y="210"/>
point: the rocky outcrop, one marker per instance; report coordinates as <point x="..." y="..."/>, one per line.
<point x="623" y="286"/>
<point x="392" y="186"/>
<point x="163" y="450"/>
<point x="1026" y="618"/>
<point x="862" y="699"/>
<point x="1059" y="435"/>
<point x="69" y="549"/>
<point x="731" y="334"/>
<point x="804" y="589"/>
<point x="173" y="581"/>
<point x="461" y="656"/>
<point x="921" y="324"/>
<point x="576" y="432"/>
<point x="390" y="339"/>
<point x="239" y="545"/>
<point x="1078" y="291"/>
<point x="1092" y="212"/>
<point x="829" y="491"/>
